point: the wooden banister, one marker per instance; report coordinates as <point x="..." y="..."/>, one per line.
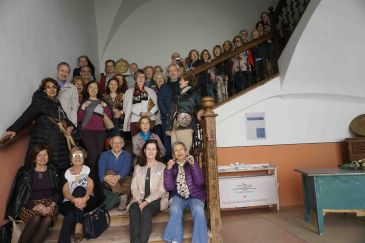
<point x="210" y="170"/>
<point x="230" y="54"/>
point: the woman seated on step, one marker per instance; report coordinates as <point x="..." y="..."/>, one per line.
<point x="145" y="133"/>
<point x="80" y="196"/>
<point x="34" y="196"/>
<point x="184" y="180"/>
<point x="149" y="194"/>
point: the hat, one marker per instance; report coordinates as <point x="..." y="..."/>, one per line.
<point x="357" y="125"/>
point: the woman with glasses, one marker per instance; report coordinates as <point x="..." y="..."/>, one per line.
<point x="80" y="196"/>
<point x="139" y="101"/>
<point x="50" y="124"/>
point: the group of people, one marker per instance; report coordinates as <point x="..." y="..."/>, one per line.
<point x="236" y="73"/>
<point x="67" y="169"/>
<point x="39" y="192"/>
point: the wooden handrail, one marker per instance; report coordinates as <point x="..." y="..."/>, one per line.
<point x="5" y="143"/>
<point x="232" y="53"/>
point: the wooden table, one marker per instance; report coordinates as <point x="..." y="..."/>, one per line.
<point x="332" y="190"/>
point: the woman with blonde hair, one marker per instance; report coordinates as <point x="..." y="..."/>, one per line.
<point x="80" y="196"/>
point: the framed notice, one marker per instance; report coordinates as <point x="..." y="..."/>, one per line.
<point x="247" y="191"/>
<point x="255" y="126"/>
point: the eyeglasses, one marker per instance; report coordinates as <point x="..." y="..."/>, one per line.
<point x="77" y="155"/>
<point x="50" y="87"/>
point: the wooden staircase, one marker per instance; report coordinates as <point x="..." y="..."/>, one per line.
<point x="118" y="230"/>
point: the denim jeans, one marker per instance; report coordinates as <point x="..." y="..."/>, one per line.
<point x="174" y="229"/>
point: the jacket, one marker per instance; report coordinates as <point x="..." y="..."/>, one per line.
<point x="165" y="98"/>
<point x="21" y="189"/>
<point x="128" y="103"/>
<point x="44" y="130"/>
<point x="157" y="187"/>
<point x="138" y="143"/>
<point x="194" y="179"/>
<point x="69" y="99"/>
<point x="185" y="102"/>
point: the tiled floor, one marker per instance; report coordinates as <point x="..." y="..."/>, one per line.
<point x="288" y="226"/>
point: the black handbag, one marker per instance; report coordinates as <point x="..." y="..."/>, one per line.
<point x="96" y="222"/>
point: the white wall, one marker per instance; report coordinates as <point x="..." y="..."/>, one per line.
<point x="320" y="89"/>
<point x="147" y="32"/>
<point x="35" y="36"/>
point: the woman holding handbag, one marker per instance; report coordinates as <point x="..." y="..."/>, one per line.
<point x="80" y="196"/>
<point x="46" y="112"/>
<point x="181" y="121"/>
<point x="34" y="196"/>
<point x="149" y="194"/>
<point x="94" y="115"/>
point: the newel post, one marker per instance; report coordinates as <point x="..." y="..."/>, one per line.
<point x="211" y="170"/>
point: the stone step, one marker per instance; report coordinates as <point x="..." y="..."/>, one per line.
<point x="118" y="218"/>
<point x="121" y="234"/>
<point x="118" y="230"/>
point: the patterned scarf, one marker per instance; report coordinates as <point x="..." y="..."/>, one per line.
<point x="182" y="186"/>
<point x="139" y="95"/>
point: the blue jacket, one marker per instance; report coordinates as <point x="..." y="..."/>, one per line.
<point x="121" y="165"/>
<point x="165" y="98"/>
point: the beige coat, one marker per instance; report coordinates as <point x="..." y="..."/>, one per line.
<point x="69" y="99"/>
<point x="128" y="103"/>
<point x="156" y="182"/>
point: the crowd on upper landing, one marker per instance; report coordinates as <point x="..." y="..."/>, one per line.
<point x="76" y="159"/>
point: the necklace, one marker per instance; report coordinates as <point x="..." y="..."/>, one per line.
<point x="40" y="173"/>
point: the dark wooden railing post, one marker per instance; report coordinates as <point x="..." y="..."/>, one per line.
<point x="211" y="172"/>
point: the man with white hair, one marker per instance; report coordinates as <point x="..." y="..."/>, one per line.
<point x="114" y="168"/>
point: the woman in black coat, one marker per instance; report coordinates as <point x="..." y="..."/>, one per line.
<point x="34" y="196"/>
<point x="46" y="112"/>
<point x="181" y="121"/>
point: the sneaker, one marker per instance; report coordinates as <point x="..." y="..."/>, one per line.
<point x="123" y="202"/>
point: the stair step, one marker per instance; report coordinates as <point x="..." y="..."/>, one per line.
<point x="119" y="228"/>
<point x="117" y="218"/>
<point x="121" y="234"/>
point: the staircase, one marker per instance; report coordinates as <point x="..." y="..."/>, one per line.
<point x="118" y="230"/>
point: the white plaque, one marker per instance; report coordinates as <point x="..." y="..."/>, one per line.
<point x="246" y="191"/>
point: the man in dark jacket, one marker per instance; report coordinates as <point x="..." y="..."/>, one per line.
<point x="165" y="99"/>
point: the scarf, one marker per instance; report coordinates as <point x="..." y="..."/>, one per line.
<point x="139" y="95"/>
<point x="182" y="186"/>
<point x="145" y="136"/>
<point x="90" y="110"/>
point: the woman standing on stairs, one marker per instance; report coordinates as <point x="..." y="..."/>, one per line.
<point x="81" y="196"/>
<point x="47" y="113"/>
<point x="34" y="196"/>
<point x="149" y="194"/>
<point x="185" y="182"/>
